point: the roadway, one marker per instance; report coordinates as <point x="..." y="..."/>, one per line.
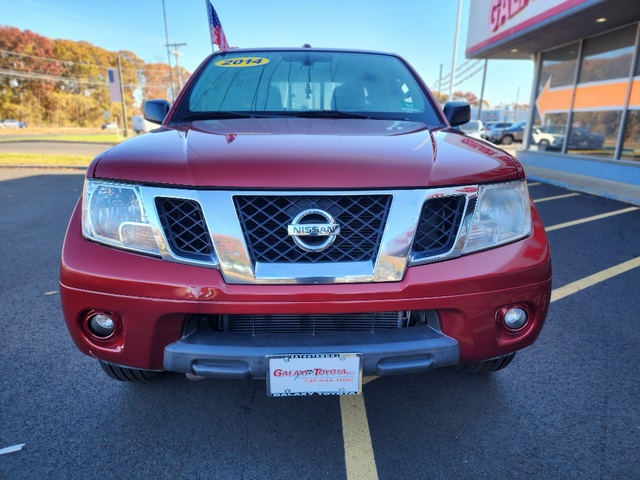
<point x="567" y="407"/>
<point x="53" y="148"/>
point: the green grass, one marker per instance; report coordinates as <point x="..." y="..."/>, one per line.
<point x="79" y="138"/>
<point x="35" y="159"/>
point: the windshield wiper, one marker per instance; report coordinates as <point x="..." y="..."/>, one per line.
<point x="341" y="114"/>
<point x="286" y="113"/>
<point x="216" y="116"/>
<point x="327" y="114"/>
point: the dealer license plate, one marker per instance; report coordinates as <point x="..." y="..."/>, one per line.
<point x="314" y="374"/>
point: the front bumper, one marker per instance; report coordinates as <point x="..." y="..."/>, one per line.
<point x="407" y="350"/>
<point x="154" y="298"/>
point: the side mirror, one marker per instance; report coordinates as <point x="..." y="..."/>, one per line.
<point x="458" y="113"/>
<point x="156" y="110"/>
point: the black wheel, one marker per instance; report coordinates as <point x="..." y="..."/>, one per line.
<point x="543" y="144"/>
<point x="125" y="374"/>
<point x="507" y="140"/>
<point x="487" y="366"/>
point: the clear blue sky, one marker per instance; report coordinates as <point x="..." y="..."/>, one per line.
<point x="422" y="31"/>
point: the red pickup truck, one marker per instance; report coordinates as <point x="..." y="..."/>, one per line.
<point x="304" y="216"/>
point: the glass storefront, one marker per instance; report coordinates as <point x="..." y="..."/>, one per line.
<point x="557" y="76"/>
<point x="631" y="141"/>
<point x="584" y="92"/>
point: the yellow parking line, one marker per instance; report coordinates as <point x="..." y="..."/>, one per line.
<point x="558" y="197"/>
<point x="366" y="380"/>
<point x="591" y="280"/>
<point x="358" y="448"/>
<point x="590" y="219"/>
<point x="359" y="458"/>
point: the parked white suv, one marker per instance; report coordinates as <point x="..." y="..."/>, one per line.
<point x="548" y="137"/>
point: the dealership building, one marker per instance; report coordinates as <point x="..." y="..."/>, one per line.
<point x="584" y="119"/>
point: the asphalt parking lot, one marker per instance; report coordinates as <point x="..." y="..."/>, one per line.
<point x="567" y="407"/>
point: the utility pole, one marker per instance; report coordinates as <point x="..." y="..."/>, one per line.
<point x="455" y="50"/>
<point x="178" y="55"/>
<point x="484" y="78"/>
<point x="166" y="34"/>
<point x="124" y="105"/>
<point x="440" y="86"/>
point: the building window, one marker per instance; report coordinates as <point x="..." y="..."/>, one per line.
<point x="554" y="97"/>
<point x="631" y="145"/>
<point x="601" y="92"/>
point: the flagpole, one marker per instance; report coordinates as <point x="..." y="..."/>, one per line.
<point x="217" y="33"/>
<point x="206" y="3"/>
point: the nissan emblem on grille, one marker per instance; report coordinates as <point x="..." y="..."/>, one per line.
<point x="311" y="224"/>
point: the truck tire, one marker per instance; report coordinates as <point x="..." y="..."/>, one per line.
<point x="487" y="366"/>
<point x="125" y="374"/>
<point x="507" y="140"/>
<point x="543" y="144"/>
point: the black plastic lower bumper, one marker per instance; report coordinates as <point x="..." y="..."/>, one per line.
<point x="234" y="355"/>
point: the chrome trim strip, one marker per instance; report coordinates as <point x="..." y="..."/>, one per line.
<point x="318" y="273"/>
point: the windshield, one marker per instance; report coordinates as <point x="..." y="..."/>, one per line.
<point x="313" y="83"/>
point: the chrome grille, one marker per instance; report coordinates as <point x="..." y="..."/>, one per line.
<point x="245" y="235"/>
<point x="184" y="227"/>
<point x="438" y="226"/>
<point x="264" y="221"/>
<point x="343" y="322"/>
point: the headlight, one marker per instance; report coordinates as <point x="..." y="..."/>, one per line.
<point x="113" y="214"/>
<point x="502" y="215"/>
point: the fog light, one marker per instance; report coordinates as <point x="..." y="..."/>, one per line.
<point x="515" y="318"/>
<point x="101" y="325"/>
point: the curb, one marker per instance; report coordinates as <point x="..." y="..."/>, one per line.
<point x="583" y="189"/>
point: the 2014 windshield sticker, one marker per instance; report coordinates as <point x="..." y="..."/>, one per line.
<point x="242" y="62"/>
<point x="409" y="107"/>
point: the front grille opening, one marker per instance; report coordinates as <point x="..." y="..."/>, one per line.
<point x="184" y="227"/>
<point x="264" y="221"/>
<point x="312" y="323"/>
<point x="438" y="227"/>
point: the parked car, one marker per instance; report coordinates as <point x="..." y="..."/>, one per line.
<point x="491" y="127"/>
<point x="548" y="137"/>
<point x="552" y="137"/>
<point x="140" y="125"/>
<point x="110" y="126"/>
<point x="473" y="128"/>
<point x="581" y="138"/>
<point x="303" y="232"/>
<point x="10" y="123"/>
<point x="506" y="136"/>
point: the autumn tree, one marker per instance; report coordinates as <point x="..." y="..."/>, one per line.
<point x="63" y="82"/>
<point x="157" y="82"/>
<point x="469" y="97"/>
<point x="441" y="98"/>
<point x="25" y="80"/>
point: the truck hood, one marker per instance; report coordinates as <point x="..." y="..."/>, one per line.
<point x="294" y="153"/>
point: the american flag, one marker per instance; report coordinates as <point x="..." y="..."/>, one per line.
<point x="217" y="33"/>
